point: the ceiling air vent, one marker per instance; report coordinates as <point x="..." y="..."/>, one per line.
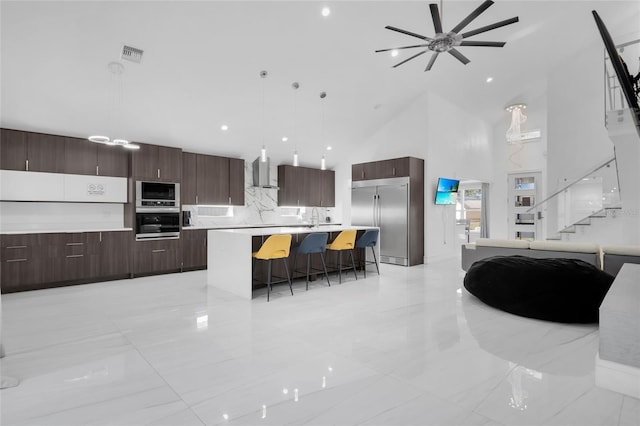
<point x="131" y="54"/>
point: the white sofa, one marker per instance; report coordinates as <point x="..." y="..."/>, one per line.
<point x="614" y="256"/>
<point x="486" y="247"/>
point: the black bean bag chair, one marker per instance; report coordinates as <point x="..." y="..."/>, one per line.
<point x="561" y="290"/>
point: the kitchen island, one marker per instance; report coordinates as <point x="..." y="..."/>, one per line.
<point x="229" y="253"/>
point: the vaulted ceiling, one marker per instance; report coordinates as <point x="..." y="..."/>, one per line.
<point x="202" y="61"/>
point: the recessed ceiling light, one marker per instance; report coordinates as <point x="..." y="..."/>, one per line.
<point x="326" y="11"/>
<point x="394" y="53"/>
<point x="224" y="127"/>
<point x="329" y="148"/>
<point x="489" y="79"/>
<point x="284" y="139"/>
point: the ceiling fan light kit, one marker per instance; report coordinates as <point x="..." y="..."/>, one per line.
<point x="447" y="42"/>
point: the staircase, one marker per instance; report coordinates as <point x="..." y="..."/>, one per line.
<point x="593" y="197"/>
<point x="596" y="219"/>
<point x="603" y="205"/>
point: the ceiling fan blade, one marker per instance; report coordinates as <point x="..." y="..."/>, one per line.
<point x="389" y="27"/>
<point x="403" y="47"/>
<point x="484" y="6"/>
<point x="435" y="15"/>
<point x="408" y="59"/>
<point x="459" y="56"/>
<point x="431" y="61"/>
<point x="483" y="43"/>
<point x="490" y="27"/>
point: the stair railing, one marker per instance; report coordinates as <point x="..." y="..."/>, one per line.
<point x="614" y="95"/>
<point x="590" y="195"/>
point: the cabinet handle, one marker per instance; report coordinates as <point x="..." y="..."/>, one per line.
<point x="394" y="171"/>
<point x="229" y="200"/>
<point x="75" y="255"/>
<point x="16" y="260"/>
<point x="26" y="164"/>
<point x="100" y="236"/>
<point x="97" y="170"/>
<point x="363" y="174"/>
<point x="15" y="247"/>
<point x="158" y="173"/>
<point x="158" y="251"/>
<point x="196" y="199"/>
<point x="75" y="244"/>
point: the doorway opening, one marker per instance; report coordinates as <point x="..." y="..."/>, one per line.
<point x="469" y="218"/>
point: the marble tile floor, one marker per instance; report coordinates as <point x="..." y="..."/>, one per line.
<point x="408" y="347"/>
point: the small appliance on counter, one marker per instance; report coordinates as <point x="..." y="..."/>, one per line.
<point x="186" y="218"/>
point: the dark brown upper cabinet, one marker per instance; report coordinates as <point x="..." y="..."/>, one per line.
<point x="13" y="150"/>
<point x="209" y="179"/>
<point x="188" y="185"/>
<point x="45" y="153"/>
<point x="236" y="181"/>
<point x="328" y="188"/>
<point x="36" y="152"/>
<point x="212" y="179"/>
<point x="81" y="157"/>
<point x="304" y="186"/>
<point x="396" y="167"/>
<point x="113" y="161"/>
<point x="157" y="163"/>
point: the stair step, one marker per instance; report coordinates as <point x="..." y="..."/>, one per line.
<point x="555" y="238"/>
<point x="568" y="230"/>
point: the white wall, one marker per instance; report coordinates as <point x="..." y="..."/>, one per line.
<point x="452" y="142"/>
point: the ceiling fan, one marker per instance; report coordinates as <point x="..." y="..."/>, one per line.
<point x="447" y="42"/>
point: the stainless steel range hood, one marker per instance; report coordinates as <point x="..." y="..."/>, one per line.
<point x="262" y="174"/>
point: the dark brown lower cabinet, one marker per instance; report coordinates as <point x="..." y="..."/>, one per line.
<point x="114" y="258"/>
<point x="156" y="256"/>
<point x="21" y="263"/>
<point x="194" y="249"/>
<point x="36" y="261"/>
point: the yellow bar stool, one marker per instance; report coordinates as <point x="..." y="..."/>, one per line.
<point x="345" y="240"/>
<point x="274" y="247"/>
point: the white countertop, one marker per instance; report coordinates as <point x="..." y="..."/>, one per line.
<point x="63" y="231"/>
<point x="244" y="226"/>
<point x="290" y="230"/>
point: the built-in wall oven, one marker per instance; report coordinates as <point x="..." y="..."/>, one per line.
<point x="157" y="210"/>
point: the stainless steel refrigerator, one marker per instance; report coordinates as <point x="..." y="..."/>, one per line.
<point x="384" y="203"/>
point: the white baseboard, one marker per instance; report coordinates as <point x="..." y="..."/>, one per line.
<point x="618" y="377"/>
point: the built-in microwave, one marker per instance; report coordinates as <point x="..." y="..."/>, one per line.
<point x="157" y="195"/>
<point x="159" y="224"/>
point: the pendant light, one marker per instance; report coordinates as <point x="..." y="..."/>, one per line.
<point x="263" y="150"/>
<point x="295" y="86"/>
<point x="116" y="69"/>
<point x="323" y="162"/>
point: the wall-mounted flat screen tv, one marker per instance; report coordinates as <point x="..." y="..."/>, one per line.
<point x="447" y="191"/>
